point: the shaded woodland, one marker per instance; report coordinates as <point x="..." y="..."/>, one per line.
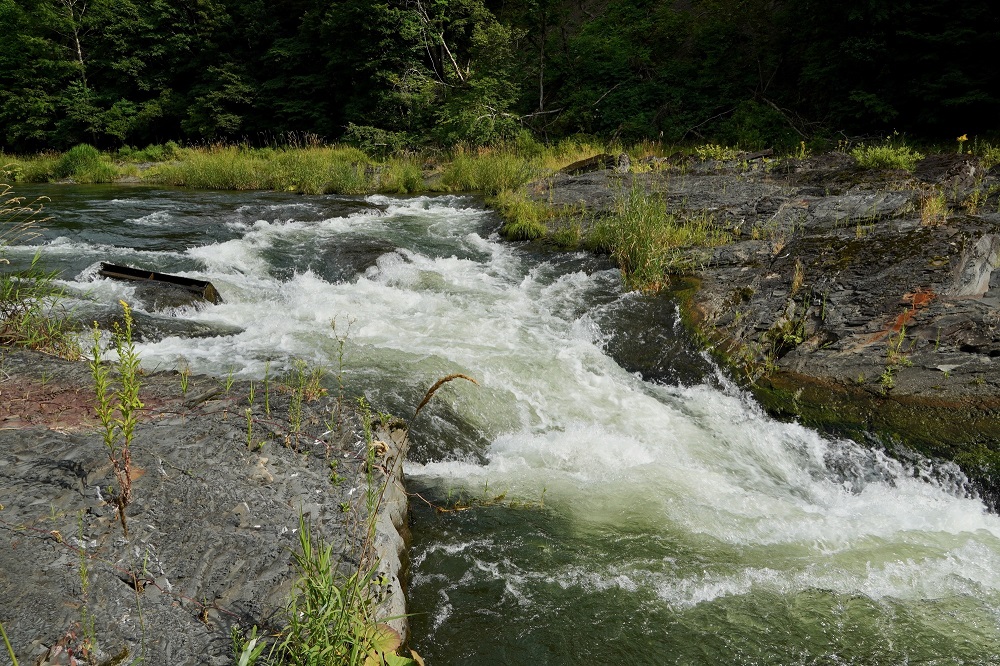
<point x="393" y="74"/>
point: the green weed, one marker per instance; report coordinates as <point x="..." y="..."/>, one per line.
<point x="712" y="151"/>
<point x="305" y="384"/>
<point x="331" y="616"/>
<point x="118" y="410"/>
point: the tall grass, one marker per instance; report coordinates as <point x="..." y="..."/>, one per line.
<point x="648" y="242"/>
<point x="490" y="171"/>
<point x="29" y="298"/>
<point x="524" y="218"/>
<point x="312" y="168"/>
<point x="40" y="168"/>
<point x="317" y="170"/>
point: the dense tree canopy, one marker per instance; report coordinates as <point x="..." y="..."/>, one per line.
<point x="404" y="72"/>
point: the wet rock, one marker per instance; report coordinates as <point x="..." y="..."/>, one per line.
<point x="341" y="262"/>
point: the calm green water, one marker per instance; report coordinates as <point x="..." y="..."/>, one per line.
<point x="651" y="513"/>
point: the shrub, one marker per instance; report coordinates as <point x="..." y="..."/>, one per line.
<point x="151" y="153"/>
<point x="375" y="141"/>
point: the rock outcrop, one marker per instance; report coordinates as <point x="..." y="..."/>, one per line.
<point x="860" y="301"/>
<point x="213" y="525"/>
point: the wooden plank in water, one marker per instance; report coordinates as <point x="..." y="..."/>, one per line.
<point x="200" y="288"/>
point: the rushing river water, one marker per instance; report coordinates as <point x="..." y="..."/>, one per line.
<point x="628" y="504"/>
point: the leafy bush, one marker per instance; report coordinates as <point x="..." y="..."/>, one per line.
<point x="376" y="141"/>
<point x="151" y="153"/>
<point x="886" y="156"/>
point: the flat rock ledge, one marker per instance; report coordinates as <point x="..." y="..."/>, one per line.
<point x="863" y="302"/>
<point x="214" y="521"/>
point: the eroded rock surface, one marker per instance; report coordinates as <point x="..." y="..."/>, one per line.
<point x="212" y="528"/>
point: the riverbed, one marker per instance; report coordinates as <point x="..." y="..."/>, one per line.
<point x="605" y="494"/>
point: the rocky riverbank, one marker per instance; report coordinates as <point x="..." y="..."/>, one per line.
<point x="213" y="525"/>
<point x="865" y="302"/>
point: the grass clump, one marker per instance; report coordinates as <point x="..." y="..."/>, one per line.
<point x="933" y="208"/>
<point x="312" y="170"/>
<point x="647" y="241"/>
<point x="401" y="176"/>
<point x="713" y="151"/>
<point x="85" y="164"/>
<point x="30" y="297"/>
<point x="886" y="155"/>
<point x="524" y="218"/>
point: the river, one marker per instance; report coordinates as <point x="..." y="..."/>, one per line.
<point x="604" y="495"/>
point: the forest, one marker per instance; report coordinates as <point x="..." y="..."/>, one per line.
<point x="390" y="75"/>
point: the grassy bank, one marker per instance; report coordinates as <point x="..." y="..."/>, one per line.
<point x="320" y="169"/>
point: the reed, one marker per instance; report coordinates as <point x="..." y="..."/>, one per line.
<point x="438" y="384"/>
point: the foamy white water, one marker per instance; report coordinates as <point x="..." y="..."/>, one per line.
<point x="639" y="521"/>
